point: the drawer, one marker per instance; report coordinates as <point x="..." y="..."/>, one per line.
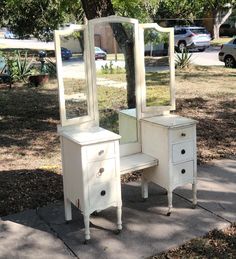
<point x="102" y="195"/>
<point x="100" y="151"/>
<point x="182" y="134"/>
<point x="182" y="173"/>
<point x="104" y="170"/>
<point x="182" y="151"/>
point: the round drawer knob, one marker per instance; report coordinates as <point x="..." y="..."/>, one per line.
<point x="101" y="152"/>
<point x="100" y="171"/>
<point x="103" y="193"/>
<point x="183" y="171"/>
<point x="183" y="151"/>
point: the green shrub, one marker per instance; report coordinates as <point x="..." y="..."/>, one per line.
<point x="109" y="69"/>
<point x="23" y="66"/>
<point x="17" y="66"/>
<point x="183" y="60"/>
<point x="50" y="68"/>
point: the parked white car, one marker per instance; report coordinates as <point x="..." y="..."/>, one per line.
<point x="191" y="38"/>
<point x="9" y="35"/>
<point x="227" y="53"/>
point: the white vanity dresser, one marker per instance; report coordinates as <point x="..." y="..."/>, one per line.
<point x="173" y="141"/>
<point x="144" y="136"/>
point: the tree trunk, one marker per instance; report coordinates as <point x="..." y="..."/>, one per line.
<point x="103" y="8"/>
<point x="219" y="19"/>
<point x="126" y="44"/>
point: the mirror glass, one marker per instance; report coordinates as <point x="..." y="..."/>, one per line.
<point x="157" y="69"/>
<point x="115" y="78"/>
<point x="73" y="74"/>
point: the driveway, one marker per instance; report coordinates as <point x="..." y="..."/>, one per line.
<point x="207" y="58"/>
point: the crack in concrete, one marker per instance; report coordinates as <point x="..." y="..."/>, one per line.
<point x="202" y="207"/>
<point x="71" y="252"/>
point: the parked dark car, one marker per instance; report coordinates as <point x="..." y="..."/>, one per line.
<point x="65" y="53"/>
<point x="100" y="54"/>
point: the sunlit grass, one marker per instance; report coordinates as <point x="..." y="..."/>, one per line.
<point x="116" y="57"/>
<point x="220" y="41"/>
<point x="158" y="88"/>
<point x="110" y="101"/>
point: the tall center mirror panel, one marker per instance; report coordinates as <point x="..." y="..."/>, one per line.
<point x="114" y="57"/>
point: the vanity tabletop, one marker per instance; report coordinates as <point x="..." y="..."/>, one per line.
<point x="88" y="136"/>
<point x="170" y="121"/>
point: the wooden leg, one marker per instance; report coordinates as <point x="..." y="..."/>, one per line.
<point x="194" y="188"/>
<point x="170" y="197"/>
<point x="68" y="213"/>
<point x="119" y="221"/>
<point x="86" y="226"/>
<point x="144" y="186"/>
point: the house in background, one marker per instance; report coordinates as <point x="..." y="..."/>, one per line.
<point x="102" y="38"/>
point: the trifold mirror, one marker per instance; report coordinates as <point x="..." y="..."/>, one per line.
<point x="120" y="71"/>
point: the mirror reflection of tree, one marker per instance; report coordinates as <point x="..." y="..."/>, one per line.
<point x="114" y="76"/>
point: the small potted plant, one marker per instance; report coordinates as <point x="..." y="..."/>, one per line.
<point x="39" y="76"/>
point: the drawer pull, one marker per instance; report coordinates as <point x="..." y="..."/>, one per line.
<point x="100" y="171"/>
<point x="103" y="193"/>
<point x="183" y="171"/>
<point x="183" y="151"/>
<point x="101" y="152"/>
<point x="183" y="134"/>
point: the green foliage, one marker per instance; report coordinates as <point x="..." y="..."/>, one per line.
<point x="18" y="66"/>
<point x="185" y="10"/>
<point x="218" y="4"/>
<point x="23" y="65"/>
<point x="144" y="10"/>
<point x="50" y="68"/>
<point x="109" y="69"/>
<point x="155" y="37"/>
<point x="183" y="60"/>
<point x="38" y="18"/>
<point x="47" y="67"/>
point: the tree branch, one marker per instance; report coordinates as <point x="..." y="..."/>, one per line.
<point x="226" y="16"/>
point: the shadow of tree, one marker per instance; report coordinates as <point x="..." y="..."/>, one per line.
<point x="24" y="189"/>
<point x="29" y="115"/>
<point x="216" y="125"/>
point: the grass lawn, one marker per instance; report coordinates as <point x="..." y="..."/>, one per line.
<point x="220" y="41"/>
<point x="30" y="165"/>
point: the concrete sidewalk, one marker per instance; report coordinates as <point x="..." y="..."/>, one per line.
<point x="43" y="233"/>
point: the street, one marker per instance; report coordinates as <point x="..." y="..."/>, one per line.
<point x="207" y="58"/>
<point x="75" y="67"/>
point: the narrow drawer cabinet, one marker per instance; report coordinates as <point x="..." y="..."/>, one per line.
<point x="91" y="172"/>
<point x="173" y="143"/>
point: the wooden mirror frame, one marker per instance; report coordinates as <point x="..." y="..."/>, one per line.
<point x="133" y="147"/>
<point x="91" y="118"/>
<point x="156" y="110"/>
